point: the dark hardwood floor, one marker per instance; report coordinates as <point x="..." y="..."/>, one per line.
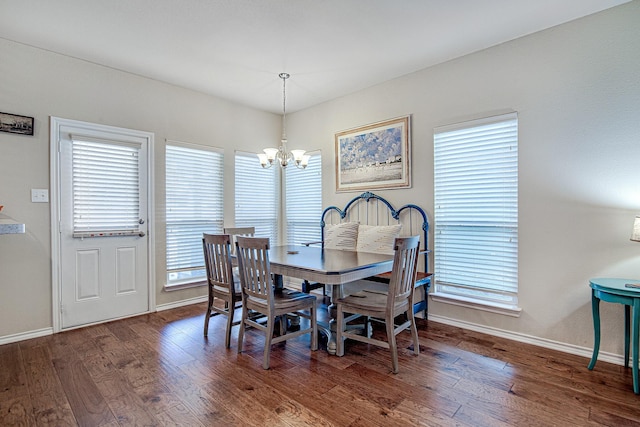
<point x="158" y="369"/>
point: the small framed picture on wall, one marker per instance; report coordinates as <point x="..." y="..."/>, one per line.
<point x="13" y="123"/>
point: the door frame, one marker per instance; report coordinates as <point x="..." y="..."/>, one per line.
<point x="54" y="141"/>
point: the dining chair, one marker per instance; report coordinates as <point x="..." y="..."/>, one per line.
<point x="222" y="281"/>
<point x="238" y="231"/>
<point x="259" y="295"/>
<point x="384" y="306"/>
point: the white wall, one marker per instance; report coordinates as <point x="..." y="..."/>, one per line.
<point x="576" y="89"/>
<point x="42" y="84"/>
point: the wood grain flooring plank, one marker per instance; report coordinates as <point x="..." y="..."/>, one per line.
<point x="286" y="407"/>
<point x="411" y="413"/>
<point x="393" y="385"/>
<point x="294" y="414"/>
<point x="157" y="397"/>
<point x="571" y="403"/>
<point x="240" y="403"/>
<point x="122" y="331"/>
<point x="13" y="378"/>
<point x="352" y="380"/>
<point x="478" y="418"/>
<point x="611" y="418"/>
<point x="206" y="407"/>
<point x="87" y="402"/>
<point x="130" y="367"/>
<point x="51" y="408"/>
<point x="178" y="416"/>
<point x="16" y="412"/>
<point x="125" y="404"/>
<point x="357" y="407"/>
<point x="48" y="399"/>
<point x="509" y="408"/>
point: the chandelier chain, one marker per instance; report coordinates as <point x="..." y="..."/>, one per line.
<point x="284" y="77"/>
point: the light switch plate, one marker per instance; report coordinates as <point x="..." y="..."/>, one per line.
<point x="39" y="195"/>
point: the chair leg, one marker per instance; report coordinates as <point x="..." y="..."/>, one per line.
<point x="245" y="314"/>
<point x="230" y="313"/>
<point x="391" y="338"/>
<point x="267" y="343"/>
<point x="414" y="332"/>
<point x="207" y="316"/>
<point x="314" y="326"/>
<point x="339" y="329"/>
<point x="283" y="324"/>
<point x="368" y="328"/>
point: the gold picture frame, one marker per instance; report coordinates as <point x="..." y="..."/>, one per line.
<point x="374" y="156"/>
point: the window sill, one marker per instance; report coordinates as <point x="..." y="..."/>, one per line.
<point x="181" y="286"/>
<point x="505" y="309"/>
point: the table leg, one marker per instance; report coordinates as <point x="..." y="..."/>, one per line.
<point x="595" y="310"/>
<point x="627" y="333"/>
<point x="337" y="291"/>
<point x="636" y="323"/>
<point x="278" y="283"/>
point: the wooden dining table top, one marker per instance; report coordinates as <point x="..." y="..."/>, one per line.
<point x="330" y="266"/>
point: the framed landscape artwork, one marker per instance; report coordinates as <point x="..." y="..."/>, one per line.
<point x="13" y="123"/>
<point x="374" y="156"/>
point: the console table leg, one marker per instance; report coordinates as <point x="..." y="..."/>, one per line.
<point x="595" y="310"/>
<point x="627" y="333"/>
<point x="636" y="323"/>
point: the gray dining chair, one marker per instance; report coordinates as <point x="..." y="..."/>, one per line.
<point x="384" y="306"/>
<point x="234" y="232"/>
<point x="258" y="294"/>
<point x="222" y="282"/>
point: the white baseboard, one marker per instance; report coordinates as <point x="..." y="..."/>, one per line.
<point x="7" y="339"/>
<point x="182" y="303"/>
<point x="529" y="339"/>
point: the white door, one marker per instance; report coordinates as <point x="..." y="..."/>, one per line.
<point x="103" y="263"/>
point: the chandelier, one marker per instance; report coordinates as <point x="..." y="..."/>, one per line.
<point x="281" y="155"/>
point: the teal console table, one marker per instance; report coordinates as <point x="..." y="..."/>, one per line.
<point x="618" y="291"/>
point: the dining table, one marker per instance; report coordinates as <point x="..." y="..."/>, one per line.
<point x="333" y="267"/>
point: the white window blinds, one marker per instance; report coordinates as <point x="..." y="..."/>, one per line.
<point x="476" y="210"/>
<point x="303" y="202"/>
<point x="256" y="196"/>
<point x="194" y="190"/>
<point x="106" y="187"/>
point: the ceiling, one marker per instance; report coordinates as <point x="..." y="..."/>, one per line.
<point x="235" y="49"/>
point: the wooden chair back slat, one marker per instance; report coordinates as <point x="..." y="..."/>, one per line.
<point x="403" y="275"/>
<point x="253" y="262"/>
<point x="217" y="260"/>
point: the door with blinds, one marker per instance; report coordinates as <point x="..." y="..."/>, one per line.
<point x="103" y="224"/>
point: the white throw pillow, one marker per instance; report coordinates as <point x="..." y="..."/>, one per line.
<point x="377" y="238"/>
<point x="341" y="236"/>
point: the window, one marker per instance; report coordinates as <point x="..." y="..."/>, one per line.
<point x="106" y="187"/>
<point x="303" y="202"/>
<point x="194" y="206"/>
<point x="476" y="213"/>
<point x="256" y="195"/>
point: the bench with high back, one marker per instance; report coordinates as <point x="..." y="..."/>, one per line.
<point x="370" y="223"/>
